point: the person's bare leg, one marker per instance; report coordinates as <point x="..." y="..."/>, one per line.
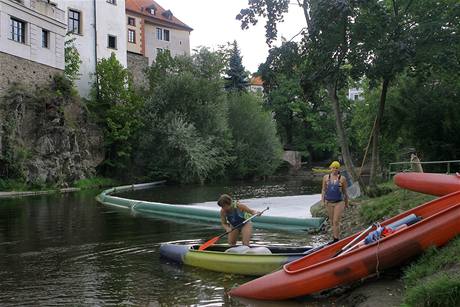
<point x="246" y="233"/>
<point x="233" y="236"/>
<point x="337" y="216"/>
<point x="330" y="214"/>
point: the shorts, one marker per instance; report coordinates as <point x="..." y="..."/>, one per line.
<point x="337" y="203"/>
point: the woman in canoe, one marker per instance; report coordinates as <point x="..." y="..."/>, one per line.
<point x="334" y="197"/>
<point x="232" y="214"/>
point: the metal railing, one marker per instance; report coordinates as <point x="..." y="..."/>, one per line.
<point x="406" y="166"/>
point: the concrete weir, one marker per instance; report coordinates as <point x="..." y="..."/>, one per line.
<point x="206" y="212"/>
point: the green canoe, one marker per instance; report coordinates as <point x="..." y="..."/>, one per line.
<point x="254" y="260"/>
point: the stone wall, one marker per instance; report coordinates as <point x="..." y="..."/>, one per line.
<point x="136" y="65"/>
<point x="15" y="69"/>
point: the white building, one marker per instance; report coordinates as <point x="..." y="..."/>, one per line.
<point x="99" y="28"/>
<point x="32" y="30"/>
<point x="355" y="94"/>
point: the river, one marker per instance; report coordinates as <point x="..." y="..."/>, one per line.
<point x="67" y="249"/>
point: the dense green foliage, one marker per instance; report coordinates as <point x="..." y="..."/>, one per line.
<point x="186" y="135"/>
<point x="404" y="54"/>
<point x="434" y="280"/>
<point x="256" y="148"/>
<point x="192" y="131"/>
<point x="116" y="108"/>
<point x="304" y="124"/>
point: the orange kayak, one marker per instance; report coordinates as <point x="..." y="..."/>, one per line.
<point x="437" y="223"/>
<point x="428" y="183"/>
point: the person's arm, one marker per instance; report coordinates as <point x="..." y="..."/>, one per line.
<point x="344" y="190"/>
<point x="323" y="190"/>
<point x="223" y="221"/>
<point x="245" y="208"/>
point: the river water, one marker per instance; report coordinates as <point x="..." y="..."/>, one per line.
<point x="67" y="249"/>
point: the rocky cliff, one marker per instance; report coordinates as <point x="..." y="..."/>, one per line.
<point x="46" y="135"/>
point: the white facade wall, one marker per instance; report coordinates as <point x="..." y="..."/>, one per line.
<point x="355" y="93"/>
<point x="178" y="44"/>
<point x="37" y="16"/>
<point x="110" y="20"/>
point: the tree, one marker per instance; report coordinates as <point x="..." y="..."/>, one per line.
<point x="304" y="124"/>
<point x="237" y="78"/>
<point x="326" y="47"/>
<point x="186" y="136"/>
<point x="116" y="108"/>
<point x="388" y="37"/>
<point x="256" y="147"/>
<point x="72" y="59"/>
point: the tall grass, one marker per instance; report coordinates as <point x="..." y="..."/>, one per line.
<point x="396" y="202"/>
<point x="434" y="280"/>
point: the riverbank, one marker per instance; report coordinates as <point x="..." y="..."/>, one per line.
<point x="399" y="286"/>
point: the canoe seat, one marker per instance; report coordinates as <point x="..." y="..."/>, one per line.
<point x="258" y="250"/>
<point x="238" y="249"/>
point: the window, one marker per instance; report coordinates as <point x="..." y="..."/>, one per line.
<point x="151" y="10"/>
<point x="162" y="34"/>
<point x="74" y="22"/>
<point x="18" y="30"/>
<point x="112" y="42"/>
<point x="45" y="38"/>
<point x="131" y="21"/>
<point x="131" y="36"/>
<point x="159" y="34"/>
<point x="114" y="2"/>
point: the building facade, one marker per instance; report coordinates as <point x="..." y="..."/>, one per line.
<point x="31" y="41"/>
<point x="152" y="29"/>
<point x="134" y="30"/>
<point x="99" y="30"/>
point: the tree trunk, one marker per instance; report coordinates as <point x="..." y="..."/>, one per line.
<point x="343" y="141"/>
<point x="375" y="137"/>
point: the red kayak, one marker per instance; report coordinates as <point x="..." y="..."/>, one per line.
<point x="437" y="223"/>
<point x="428" y="183"/>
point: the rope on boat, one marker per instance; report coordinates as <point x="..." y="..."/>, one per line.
<point x="377" y="254"/>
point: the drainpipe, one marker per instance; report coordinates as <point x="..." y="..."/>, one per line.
<point x="95" y="48"/>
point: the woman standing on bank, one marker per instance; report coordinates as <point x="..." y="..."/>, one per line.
<point x="334" y="197"/>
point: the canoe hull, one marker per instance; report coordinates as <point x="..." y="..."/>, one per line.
<point x="428" y="183"/>
<point x="321" y="270"/>
<point x="234" y="263"/>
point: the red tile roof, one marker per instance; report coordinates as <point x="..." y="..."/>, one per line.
<point x="257" y="81"/>
<point x="140" y="7"/>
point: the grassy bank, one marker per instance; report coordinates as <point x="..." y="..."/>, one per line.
<point x="434" y="278"/>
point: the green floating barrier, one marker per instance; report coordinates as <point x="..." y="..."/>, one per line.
<point x="186" y="212"/>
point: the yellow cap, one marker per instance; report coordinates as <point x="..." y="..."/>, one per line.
<point x="335" y="164"/>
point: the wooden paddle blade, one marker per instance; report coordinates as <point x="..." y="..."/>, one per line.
<point x="207" y="244"/>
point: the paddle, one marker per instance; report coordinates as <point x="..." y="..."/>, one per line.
<point x="215" y="239"/>
<point x="353" y="241"/>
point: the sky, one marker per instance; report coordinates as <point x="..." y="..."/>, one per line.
<point x="214" y="24"/>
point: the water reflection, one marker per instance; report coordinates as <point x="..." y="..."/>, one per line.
<point x="66" y="249"/>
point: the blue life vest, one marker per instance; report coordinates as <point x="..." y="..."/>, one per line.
<point x="236" y="216"/>
<point x="333" y="190"/>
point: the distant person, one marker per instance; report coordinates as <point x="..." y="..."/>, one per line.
<point x="233" y="213"/>
<point x="334" y="197"/>
<point x="415" y="163"/>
